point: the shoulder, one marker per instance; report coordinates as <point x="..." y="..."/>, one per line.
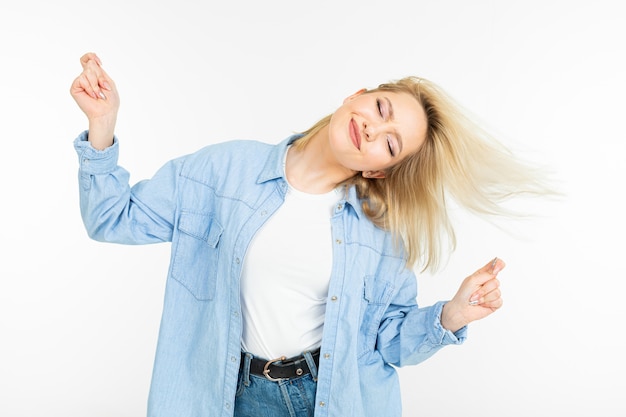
<point x="227" y="155"/>
<point x="232" y="165"/>
<point x="231" y="149"/>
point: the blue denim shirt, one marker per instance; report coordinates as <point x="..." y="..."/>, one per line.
<point x="209" y="204"/>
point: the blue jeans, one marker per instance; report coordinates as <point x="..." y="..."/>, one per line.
<point x="257" y="396"/>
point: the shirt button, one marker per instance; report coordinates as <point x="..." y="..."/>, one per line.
<point x="227" y="406"/>
<point x="322" y="404"/>
<point x="339" y="207"/>
<point x="333" y="298"/>
<point x="326" y="355"/>
<point x="233" y="359"/>
<point x="338" y="241"/>
<point x="263" y="212"/>
<point x="237" y="260"/>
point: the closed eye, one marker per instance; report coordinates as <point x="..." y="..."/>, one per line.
<point x="390" y="145"/>
<point x="389" y="139"/>
<point x="379" y="107"/>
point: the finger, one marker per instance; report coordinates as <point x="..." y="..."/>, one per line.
<point x="90" y="56"/>
<point x="493" y="267"/>
<point x="481" y="277"/>
<point x="97" y="81"/>
<point x="487" y="287"/>
<point x="106" y="82"/>
<point x="485" y="273"/>
<point x="81" y="85"/>
<point x="88" y="82"/>
<point x="486" y="295"/>
<point x="93" y="73"/>
<point x="493" y="304"/>
<point x="492" y="296"/>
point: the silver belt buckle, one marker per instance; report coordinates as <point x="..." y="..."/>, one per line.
<point x="266" y="369"/>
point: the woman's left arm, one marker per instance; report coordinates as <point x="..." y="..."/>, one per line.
<point x="409" y="335"/>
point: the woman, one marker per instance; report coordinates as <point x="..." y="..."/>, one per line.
<point x="291" y="289"/>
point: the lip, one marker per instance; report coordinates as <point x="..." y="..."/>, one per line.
<point x="355" y="135"/>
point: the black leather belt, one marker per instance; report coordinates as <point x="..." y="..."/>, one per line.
<point x="281" y="368"/>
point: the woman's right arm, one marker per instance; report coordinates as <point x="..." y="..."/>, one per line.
<point x="95" y="93"/>
<point x="112" y="211"/>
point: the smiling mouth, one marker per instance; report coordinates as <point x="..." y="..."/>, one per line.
<point x="355" y="135"/>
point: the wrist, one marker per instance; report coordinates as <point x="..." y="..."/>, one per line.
<point x="450" y="320"/>
<point x="101" y="131"/>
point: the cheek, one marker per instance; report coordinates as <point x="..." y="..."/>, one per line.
<point x="335" y="142"/>
<point x="339" y="140"/>
<point x="379" y="152"/>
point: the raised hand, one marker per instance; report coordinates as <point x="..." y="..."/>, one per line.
<point x="96" y="95"/>
<point x="478" y="296"/>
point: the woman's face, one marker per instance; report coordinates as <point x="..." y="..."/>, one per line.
<point x="373" y="131"/>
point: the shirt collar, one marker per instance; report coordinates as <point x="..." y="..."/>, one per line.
<point x="353" y="201"/>
<point x="273" y="168"/>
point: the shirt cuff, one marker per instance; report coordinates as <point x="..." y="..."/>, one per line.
<point x="95" y="161"/>
<point x="441" y="335"/>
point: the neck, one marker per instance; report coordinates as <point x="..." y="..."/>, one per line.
<point x="313" y="169"/>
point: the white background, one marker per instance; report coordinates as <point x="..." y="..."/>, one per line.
<point x="79" y="319"/>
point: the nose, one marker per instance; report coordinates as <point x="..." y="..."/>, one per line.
<point x="371" y="131"/>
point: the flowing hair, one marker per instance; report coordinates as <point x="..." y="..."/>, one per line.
<point x="458" y="159"/>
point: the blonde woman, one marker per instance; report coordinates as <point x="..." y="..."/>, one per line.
<point x="291" y="289"/>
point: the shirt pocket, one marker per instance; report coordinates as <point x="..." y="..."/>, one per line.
<point x="377" y="295"/>
<point x="196" y="254"/>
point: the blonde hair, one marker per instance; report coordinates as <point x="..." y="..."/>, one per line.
<point x="458" y="158"/>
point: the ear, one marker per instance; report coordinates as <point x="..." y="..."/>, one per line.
<point x="373" y="174"/>
<point x="355" y="95"/>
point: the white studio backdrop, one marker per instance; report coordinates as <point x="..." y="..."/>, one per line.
<point x="79" y="319"/>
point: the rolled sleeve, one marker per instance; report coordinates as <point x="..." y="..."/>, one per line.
<point x="416" y="335"/>
<point x="93" y="161"/>
<point x="439" y="335"/>
<point x="114" y="212"/>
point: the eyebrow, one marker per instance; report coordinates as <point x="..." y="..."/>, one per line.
<point x="398" y="136"/>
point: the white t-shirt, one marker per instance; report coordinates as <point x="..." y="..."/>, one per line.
<point x="285" y="277"/>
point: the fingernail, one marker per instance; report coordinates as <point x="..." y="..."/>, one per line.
<point x="107" y="86"/>
<point x="493" y="265"/>
<point x="102" y="96"/>
<point x="474" y="299"/>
